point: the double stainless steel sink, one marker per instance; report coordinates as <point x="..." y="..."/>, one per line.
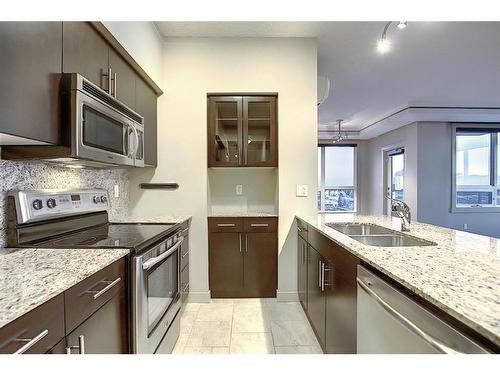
<point x="375" y="235"/>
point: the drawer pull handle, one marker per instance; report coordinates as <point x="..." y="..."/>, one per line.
<point x="259" y="225"/>
<point x="185" y="287"/>
<point x="30" y="342"/>
<point x="226" y="225"/>
<point x="99" y="293"/>
<point x="185" y="255"/>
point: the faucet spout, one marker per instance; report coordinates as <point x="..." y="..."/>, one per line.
<point x="403" y="211"/>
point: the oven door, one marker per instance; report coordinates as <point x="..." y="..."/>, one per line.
<point x="155" y="293"/>
<point x="101" y="133"/>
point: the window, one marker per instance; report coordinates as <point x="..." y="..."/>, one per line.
<point x="337" y="178"/>
<point x="477" y="168"/>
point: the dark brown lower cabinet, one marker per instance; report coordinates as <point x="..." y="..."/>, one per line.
<point x="316" y="298"/>
<point x="302" y="271"/>
<point x="330" y="293"/>
<point x="341" y="296"/>
<point x="103" y="332"/>
<point x="243" y="257"/>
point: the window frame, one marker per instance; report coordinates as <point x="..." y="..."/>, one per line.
<point x="494" y="185"/>
<point x="322" y="187"/>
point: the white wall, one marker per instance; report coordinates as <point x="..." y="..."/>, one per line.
<point x="434" y="184"/>
<point x="144" y="43"/>
<point x="371" y="165"/>
<point x="193" y="67"/>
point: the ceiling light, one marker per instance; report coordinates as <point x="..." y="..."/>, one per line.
<point x="383" y="45"/>
<point x="402" y="25"/>
<point x="339" y="136"/>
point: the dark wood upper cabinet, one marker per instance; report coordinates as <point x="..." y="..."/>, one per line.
<point x="123" y="80"/>
<point x="86" y="52"/>
<point x="242" y="131"/>
<point x="146" y="106"/>
<point x="243" y="257"/>
<point x="225" y="131"/>
<point x="30" y="64"/>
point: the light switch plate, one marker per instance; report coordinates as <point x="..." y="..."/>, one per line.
<point x="302" y="191"/>
<point x="239" y="189"/>
<point x="116" y="191"/>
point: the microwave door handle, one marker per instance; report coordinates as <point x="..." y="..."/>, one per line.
<point x="153" y="261"/>
<point x="127" y="139"/>
<point x="136" y="148"/>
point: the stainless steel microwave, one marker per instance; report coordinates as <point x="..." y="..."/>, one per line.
<point x="97" y="130"/>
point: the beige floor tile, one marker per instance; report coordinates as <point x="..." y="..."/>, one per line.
<point x="250" y="318"/>
<point x="251" y="343"/>
<point x="285" y="311"/>
<point x="312" y="349"/>
<point x="214" y="333"/>
<point x="213" y="312"/>
<point x="193" y="306"/>
<point x="206" y="350"/>
<point x="222" y="300"/>
<point x="187" y="320"/>
<point x="180" y="344"/>
<point x="289" y="333"/>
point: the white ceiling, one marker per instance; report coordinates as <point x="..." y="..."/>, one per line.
<point x="445" y="64"/>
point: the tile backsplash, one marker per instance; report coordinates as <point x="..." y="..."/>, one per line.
<point x="34" y="175"/>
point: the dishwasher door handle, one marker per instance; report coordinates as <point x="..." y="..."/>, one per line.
<point x="435" y="343"/>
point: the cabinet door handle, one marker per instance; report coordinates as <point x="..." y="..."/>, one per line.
<point x="259" y="225"/>
<point x="109" y="82"/>
<point x="246" y="243"/>
<point x="30" y="342"/>
<point x="114" y="84"/>
<point x="240" y="241"/>
<point x="99" y="293"/>
<point x="319" y="274"/>
<point x="226" y="225"/>
<point x="322" y="276"/>
<point x="80" y="346"/>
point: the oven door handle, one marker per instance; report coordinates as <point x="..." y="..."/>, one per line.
<point x="153" y="261"/>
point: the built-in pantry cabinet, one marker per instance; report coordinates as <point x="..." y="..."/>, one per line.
<point x="34" y="54"/>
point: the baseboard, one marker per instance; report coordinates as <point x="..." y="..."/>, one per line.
<point x="287" y="296"/>
<point x="199" y="297"/>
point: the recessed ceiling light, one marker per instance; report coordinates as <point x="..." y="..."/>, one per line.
<point x="383" y="45"/>
<point x="402" y="24"/>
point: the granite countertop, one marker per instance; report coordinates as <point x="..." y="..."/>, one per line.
<point x="30" y="277"/>
<point x="460" y="274"/>
<point x="165" y="219"/>
<point x="242" y="214"/>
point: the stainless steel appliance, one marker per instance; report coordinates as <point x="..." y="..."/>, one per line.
<point x="97" y="129"/>
<point x="79" y="219"/>
<point x="388" y="321"/>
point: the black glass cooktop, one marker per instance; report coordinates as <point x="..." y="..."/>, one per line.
<point x="133" y="236"/>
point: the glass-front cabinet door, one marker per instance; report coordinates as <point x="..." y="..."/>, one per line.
<point x="259" y="131"/>
<point x="242" y="131"/>
<point x="225" y="131"/>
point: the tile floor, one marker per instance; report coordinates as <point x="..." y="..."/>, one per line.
<point x="245" y="326"/>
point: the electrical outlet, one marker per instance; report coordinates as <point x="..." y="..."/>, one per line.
<point x="302" y="191"/>
<point x="116" y="191"/>
<point x="239" y="189"/>
<point x="466" y="226"/>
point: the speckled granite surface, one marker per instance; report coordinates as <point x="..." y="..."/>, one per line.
<point x="167" y="219"/>
<point x="460" y="275"/>
<point x="30" y="277"/>
<point x="242" y="214"/>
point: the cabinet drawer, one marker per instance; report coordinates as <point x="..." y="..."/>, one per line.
<point x="89" y="295"/>
<point x="225" y="224"/>
<point x="260" y="224"/>
<point x="45" y="325"/>
<point x="302" y="229"/>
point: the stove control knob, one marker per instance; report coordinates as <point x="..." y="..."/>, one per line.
<point x="96" y="199"/>
<point x="51" y="203"/>
<point x="104" y="199"/>
<point x="37" y="204"/>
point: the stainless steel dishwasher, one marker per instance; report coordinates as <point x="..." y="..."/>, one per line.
<point x="388" y="321"/>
